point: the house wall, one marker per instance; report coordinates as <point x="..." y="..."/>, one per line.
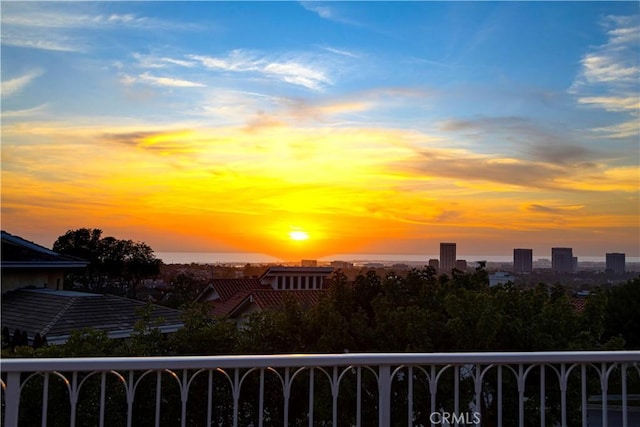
<point x="241" y="316"/>
<point x="15" y="279"/>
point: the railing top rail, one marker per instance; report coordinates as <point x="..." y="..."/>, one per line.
<point x="311" y="360"/>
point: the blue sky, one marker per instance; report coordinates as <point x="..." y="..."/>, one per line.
<point x="479" y="111"/>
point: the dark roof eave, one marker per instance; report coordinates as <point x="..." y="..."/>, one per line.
<point x="44" y="264"/>
<point x="116" y="334"/>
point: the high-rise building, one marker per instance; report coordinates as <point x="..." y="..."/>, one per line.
<point x="447" y="257"/>
<point x="616" y="263"/>
<point x="522" y="260"/>
<point x="562" y="260"/>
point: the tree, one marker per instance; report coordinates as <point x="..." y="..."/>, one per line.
<point x="116" y="264"/>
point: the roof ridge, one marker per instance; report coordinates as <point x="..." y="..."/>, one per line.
<point x="58" y="316"/>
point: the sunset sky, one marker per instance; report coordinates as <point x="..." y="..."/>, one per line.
<point x="301" y="130"/>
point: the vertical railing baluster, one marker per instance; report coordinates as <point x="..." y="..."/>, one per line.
<point x="384" y="395"/>
<point x="410" y="397"/>
<point x="261" y="399"/>
<point x="236" y="395"/>
<point x="12" y="400"/>
<point x="130" y="397"/>
<point x="45" y="399"/>
<point x="158" y="396"/>
<point x="456" y="391"/>
<point x="520" y="395"/>
<point x="543" y="406"/>
<point x="210" y="397"/>
<point x="478" y="390"/>
<point x="103" y="393"/>
<point x="311" y="400"/>
<point x="623" y="372"/>
<point x="73" y="398"/>
<point x="358" y="396"/>
<point x="604" y="383"/>
<point x="583" y="387"/>
<point x="287" y="395"/>
<point x="432" y="390"/>
<point x="184" y="397"/>
<point x="563" y="394"/>
<point x="334" y="397"/>
<point x="499" y="395"/>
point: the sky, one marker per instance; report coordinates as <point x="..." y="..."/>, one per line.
<point x="305" y="129"/>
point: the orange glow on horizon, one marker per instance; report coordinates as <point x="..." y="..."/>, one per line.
<point x="293" y="193"/>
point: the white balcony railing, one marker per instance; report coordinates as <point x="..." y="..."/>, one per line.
<point x="541" y="388"/>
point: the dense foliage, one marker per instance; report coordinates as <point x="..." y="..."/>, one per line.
<point x="418" y="312"/>
<point x="115" y="266"/>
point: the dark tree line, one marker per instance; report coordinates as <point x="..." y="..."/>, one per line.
<point x="420" y="312"/>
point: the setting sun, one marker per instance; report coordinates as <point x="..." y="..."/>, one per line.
<point x="298" y="235"/>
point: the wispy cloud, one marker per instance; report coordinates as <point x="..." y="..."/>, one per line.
<point x="59" y="27"/>
<point x="41" y="40"/>
<point x="24" y="113"/>
<point x="342" y="52"/>
<point x="83" y="16"/>
<point x="328" y="11"/>
<point x="609" y="77"/>
<point x="15" y="85"/>
<point x="153" y="61"/>
<point x="555" y="209"/>
<point x="526" y="138"/>
<point x="159" y="81"/>
<point x="297" y="70"/>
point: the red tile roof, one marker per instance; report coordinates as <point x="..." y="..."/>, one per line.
<point x="578" y="304"/>
<point x="270" y="299"/>
<point x="227" y="288"/>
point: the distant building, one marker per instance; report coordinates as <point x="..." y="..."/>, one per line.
<point x="294" y="278"/>
<point x="616" y="263"/>
<point x="309" y="263"/>
<point x="341" y="265"/>
<point x="562" y="260"/>
<point x="522" y="260"/>
<point x="447" y="257"/>
<point x="235" y="298"/>
<point x="434" y="263"/>
<point x="461" y="264"/>
<point x="574" y="264"/>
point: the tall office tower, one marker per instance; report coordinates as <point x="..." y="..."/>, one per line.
<point x="447" y="257"/>
<point x="562" y="260"/>
<point x="616" y="263"/>
<point x="522" y="260"/>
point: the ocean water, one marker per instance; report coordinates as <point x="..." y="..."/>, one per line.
<point x="241" y="258"/>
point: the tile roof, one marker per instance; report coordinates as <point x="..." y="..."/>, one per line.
<point x="270" y="299"/>
<point x="57" y="313"/>
<point x="578" y="303"/>
<point x="227" y="288"/>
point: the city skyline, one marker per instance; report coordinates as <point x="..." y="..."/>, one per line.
<point x="338" y="127"/>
